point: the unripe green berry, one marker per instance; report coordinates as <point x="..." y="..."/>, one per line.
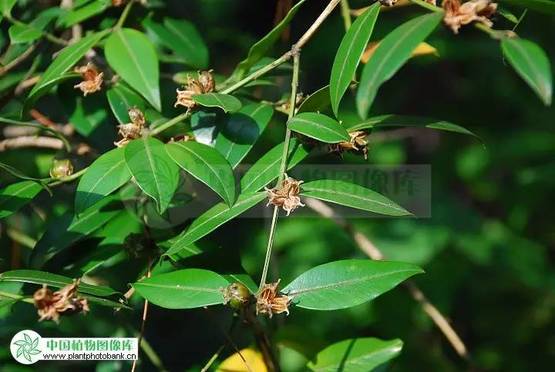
<point x="236" y="295"/>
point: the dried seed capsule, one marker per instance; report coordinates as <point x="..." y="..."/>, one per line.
<point x="61" y="168"/>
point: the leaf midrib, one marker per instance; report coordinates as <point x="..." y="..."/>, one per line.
<point x="318" y="125"/>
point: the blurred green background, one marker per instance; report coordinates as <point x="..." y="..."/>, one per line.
<point x="487" y="249"/>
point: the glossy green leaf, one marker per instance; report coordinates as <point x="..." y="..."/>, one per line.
<point x="68" y="229"/>
<point x="47" y="87"/>
<point x="266" y="169"/>
<point x="347" y="283"/>
<point x="532" y="64"/>
<point x="15" y="196"/>
<point x="105" y="175"/>
<point x="81" y="13"/>
<point x="121" y="99"/>
<point x="205" y="164"/>
<point x="68" y="57"/>
<point x="392" y="53"/>
<point x="318" y="126"/>
<point x="352" y="195"/>
<point x="6" y="6"/>
<point x="241" y="130"/>
<point x="54" y="280"/>
<point x="410" y="121"/>
<point x="356" y="355"/>
<point x="226" y="102"/>
<point x="261" y="48"/>
<point x="542" y="6"/>
<point x="348" y="55"/>
<point x="25" y="33"/>
<point x="183" y="289"/>
<point x="317" y="101"/>
<point x="154" y="171"/>
<point x="214" y="218"/>
<point x="133" y="57"/>
<point x="86" y="114"/>
<point x="182" y="38"/>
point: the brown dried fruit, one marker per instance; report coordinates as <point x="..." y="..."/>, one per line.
<point x="269" y="301"/>
<point x="457" y="15"/>
<point x="50" y="306"/>
<point x="286" y="195"/>
<point x="357" y="143"/>
<point x="92" y="79"/>
<point x="133" y="130"/>
<point x="204" y="84"/>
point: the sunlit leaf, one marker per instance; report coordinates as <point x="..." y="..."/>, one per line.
<point x="532" y="64"/>
<point x="154" y="171"/>
<point x="214" y="218"/>
<point x="132" y="56"/>
<point x="392" y="53"/>
<point x="347" y="283"/>
<point x="226" y="102"/>
<point x="245" y="360"/>
<point x="207" y="165"/>
<point x="348" y="55"/>
<point x="356" y="355"/>
<point x="352" y="195"/>
<point x="318" y="126"/>
<point x="105" y="175"/>
<point x="183" y="289"/>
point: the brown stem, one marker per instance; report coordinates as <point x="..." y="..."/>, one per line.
<point x="22" y="57"/>
<point x="145" y="315"/>
<point x="374" y="253"/>
<point x="31" y="141"/>
<point x="263" y="342"/>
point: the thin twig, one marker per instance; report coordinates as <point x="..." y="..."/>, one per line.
<point x="145" y="314"/>
<point x="31" y="141"/>
<point x="19" y="59"/>
<point x="283" y="166"/>
<point x="374" y="253"/>
<point x="124" y="14"/>
<point x="346" y="14"/>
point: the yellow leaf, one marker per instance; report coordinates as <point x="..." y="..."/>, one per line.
<point x="420" y="50"/>
<point x="236" y="364"/>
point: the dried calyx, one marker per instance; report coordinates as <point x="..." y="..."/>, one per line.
<point x="457" y="15"/>
<point x="61" y="168"/>
<point x="270" y="302"/>
<point x="92" y="79"/>
<point x="286" y="195"/>
<point x="51" y="305"/>
<point x="357" y="143"/>
<point x="132" y="130"/>
<point x="203" y="84"/>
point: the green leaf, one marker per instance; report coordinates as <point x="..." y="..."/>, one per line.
<point x="81" y="13"/>
<point x="16" y="196"/>
<point x="54" y="280"/>
<point x="532" y="64"/>
<point x="181" y="37"/>
<point x="25" y="33"/>
<point x="266" y="169"/>
<point x="352" y="195"/>
<point x="183" y="289"/>
<point x="86" y="114"/>
<point x="356" y="355"/>
<point x="207" y="165"/>
<point x="105" y="175"/>
<point x="348" y="55"/>
<point x="121" y="99"/>
<point x="214" y="218"/>
<point x="410" y="121"/>
<point x="154" y="171"/>
<point x="318" y="126"/>
<point x="65" y="60"/>
<point x="67" y="229"/>
<point x="542" y="6"/>
<point x="6" y="6"/>
<point x="241" y="131"/>
<point x="317" y="101"/>
<point x="262" y="47"/>
<point x="44" y="89"/>
<point x="392" y="53"/>
<point x="226" y="102"/>
<point x="342" y="284"/>
<point x="133" y="57"/>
